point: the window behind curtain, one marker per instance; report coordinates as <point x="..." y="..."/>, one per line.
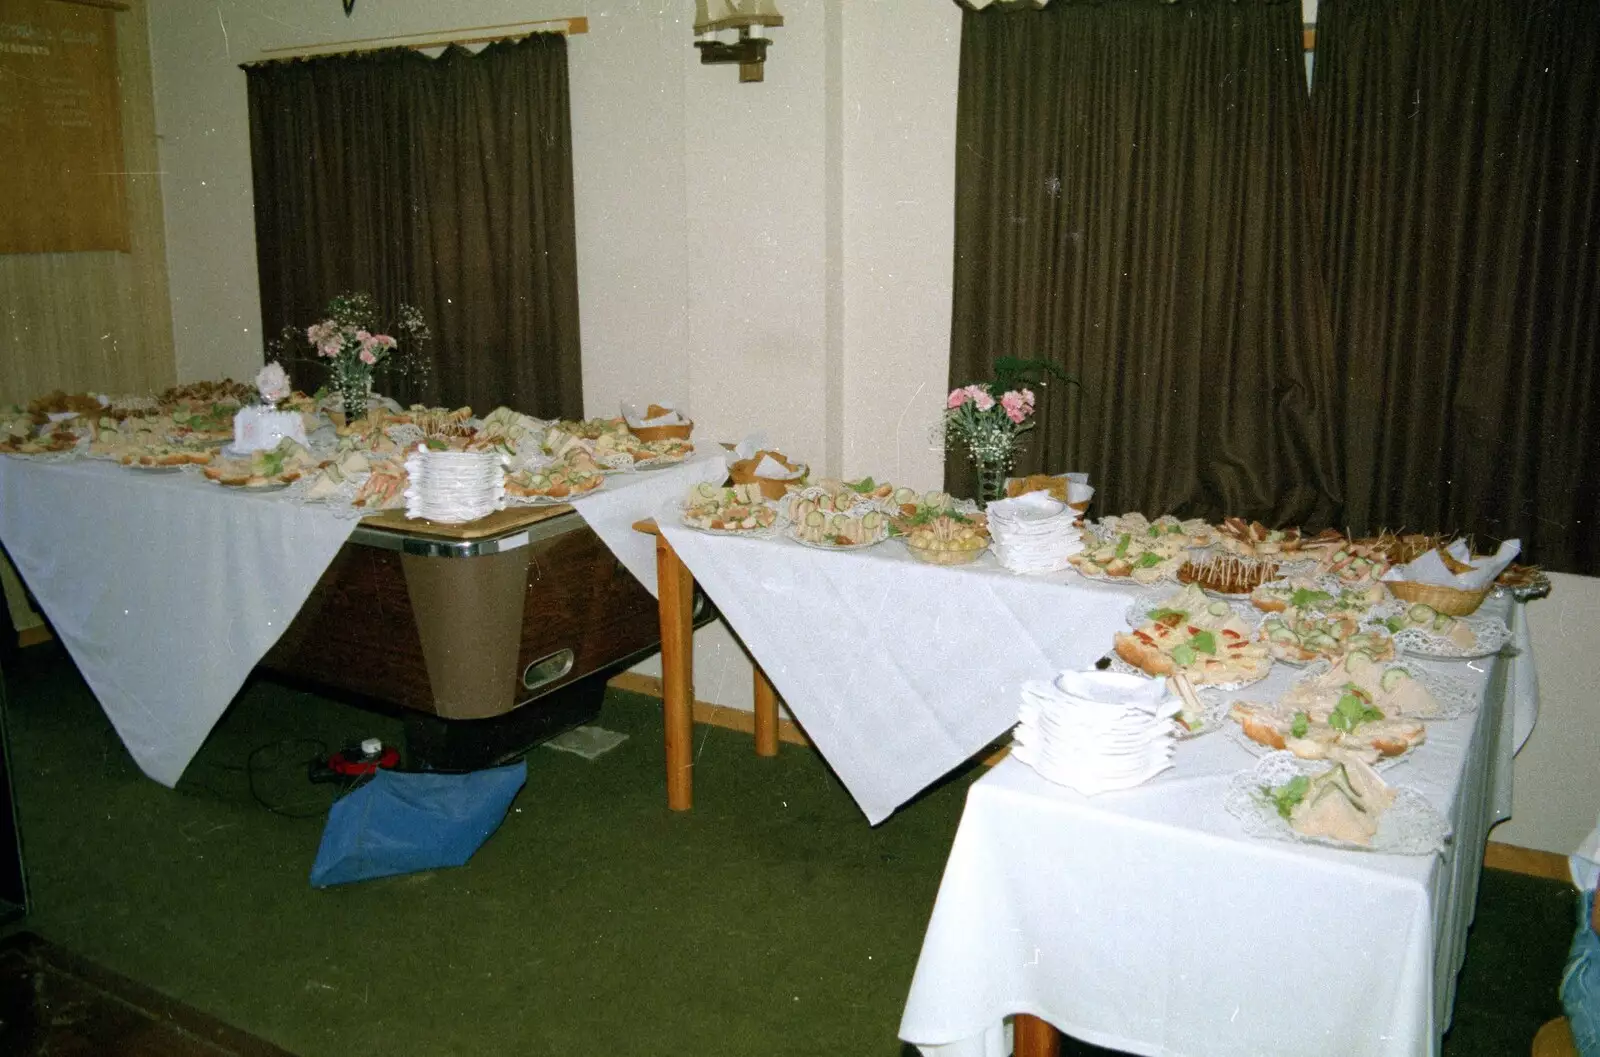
<point x="443" y="183"/>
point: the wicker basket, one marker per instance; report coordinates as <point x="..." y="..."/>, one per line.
<point x="679" y="431"/>
<point x="1452" y="601"/>
<point x="744" y="472"/>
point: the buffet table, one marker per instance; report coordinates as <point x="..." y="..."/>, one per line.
<point x="1147" y="921"/>
<point x="168" y="590"/>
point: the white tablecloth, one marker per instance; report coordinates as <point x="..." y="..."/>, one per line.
<point x="1147" y="921"/>
<point x="166" y="589"/>
<point x="898" y="671"/>
<point x="626" y="498"/>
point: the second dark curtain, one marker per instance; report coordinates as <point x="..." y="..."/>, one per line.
<point x="1134" y="203"/>
<point x="443" y="183"/>
<point x="1460" y="156"/>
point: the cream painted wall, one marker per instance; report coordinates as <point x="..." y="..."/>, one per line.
<point x="898" y="234"/>
<point x="1556" y="797"/>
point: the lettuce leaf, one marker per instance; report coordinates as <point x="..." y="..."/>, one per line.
<point x="1289" y="794"/>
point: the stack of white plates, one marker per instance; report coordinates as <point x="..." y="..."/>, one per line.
<point x="1034" y="533"/>
<point x="1096" y="731"/>
<point x="454" y="486"/>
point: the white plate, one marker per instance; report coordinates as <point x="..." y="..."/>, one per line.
<point x="1411" y="826"/>
<point x="836" y="546"/>
<point x="759" y="533"/>
<point x="1120" y="665"/>
<point x="256" y="489"/>
<point x="1255" y="748"/>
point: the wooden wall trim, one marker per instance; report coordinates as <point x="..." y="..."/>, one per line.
<point x="1529" y="861"/>
<point x="708" y="713"/>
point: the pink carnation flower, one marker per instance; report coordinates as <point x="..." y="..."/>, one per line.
<point x="957" y="398"/>
<point x="1017" y="405"/>
<point x="981" y="397"/>
<point x="367" y="357"/>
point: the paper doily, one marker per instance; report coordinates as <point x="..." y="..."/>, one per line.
<point x="1137" y="614"/>
<point x="1411" y="825"/>
<point x="1455" y="697"/>
<point x="1491" y="634"/>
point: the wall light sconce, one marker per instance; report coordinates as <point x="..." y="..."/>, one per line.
<point x="713" y="17"/>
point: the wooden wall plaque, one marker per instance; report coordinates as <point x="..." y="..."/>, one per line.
<point x="61" y="124"/>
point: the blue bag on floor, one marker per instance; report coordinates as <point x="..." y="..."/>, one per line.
<point x="400" y="823"/>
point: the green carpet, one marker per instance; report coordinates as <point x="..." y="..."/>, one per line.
<point x="770" y="920"/>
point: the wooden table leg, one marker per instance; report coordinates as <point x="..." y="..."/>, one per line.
<point x="1032" y="1037"/>
<point x="675" y="593"/>
<point x="766" y="715"/>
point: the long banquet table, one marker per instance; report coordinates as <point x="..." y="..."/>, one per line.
<point x="897" y="670"/>
<point x="1148" y="921"/>
<point x="167" y="590"/>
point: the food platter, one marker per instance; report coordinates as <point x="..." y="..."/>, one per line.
<point x="1491" y="637"/>
<point x="1410" y="826"/>
<point x="823" y="545"/>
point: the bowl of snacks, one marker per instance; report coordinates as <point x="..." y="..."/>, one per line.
<point x="947" y="540"/>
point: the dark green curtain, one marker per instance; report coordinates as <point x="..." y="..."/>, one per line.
<point x="1135" y="202"/>
<point x="443" y="183"/>
<point x="1459" y="147"/>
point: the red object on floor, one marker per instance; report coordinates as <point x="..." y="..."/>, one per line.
<point x="355" y="767"/>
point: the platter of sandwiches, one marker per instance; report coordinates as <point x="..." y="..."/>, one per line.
<point x="1341" y="802"/>
<point x="1204" y="639"/>
<point x="1355" y="706"/>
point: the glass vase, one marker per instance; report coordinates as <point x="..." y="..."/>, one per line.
<point x="354" y="386"/>
<point x="992" y="477"/>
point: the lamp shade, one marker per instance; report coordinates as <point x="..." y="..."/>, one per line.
<point x="712" y="15"/>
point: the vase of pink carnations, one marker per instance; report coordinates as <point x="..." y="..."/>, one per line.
<point x="349" y="340"/>
<point x="989" y="426"/>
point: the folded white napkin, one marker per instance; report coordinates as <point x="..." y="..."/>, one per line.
<point x="774" y="470"/>
<point x="635" y="417"/>
<point x="1430" y="568"/>
<point x="747" y="448"/>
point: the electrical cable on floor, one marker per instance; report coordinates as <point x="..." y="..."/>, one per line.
<point x="253" y="766"/>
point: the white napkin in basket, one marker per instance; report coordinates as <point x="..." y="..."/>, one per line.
<point x="634" y="415"/>
<point x="1430" y="568"/>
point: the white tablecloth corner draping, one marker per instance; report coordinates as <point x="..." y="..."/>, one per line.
<point x="626" y="498"/>
<point x="897" y="670"/>
<point x="165" y="589"/>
